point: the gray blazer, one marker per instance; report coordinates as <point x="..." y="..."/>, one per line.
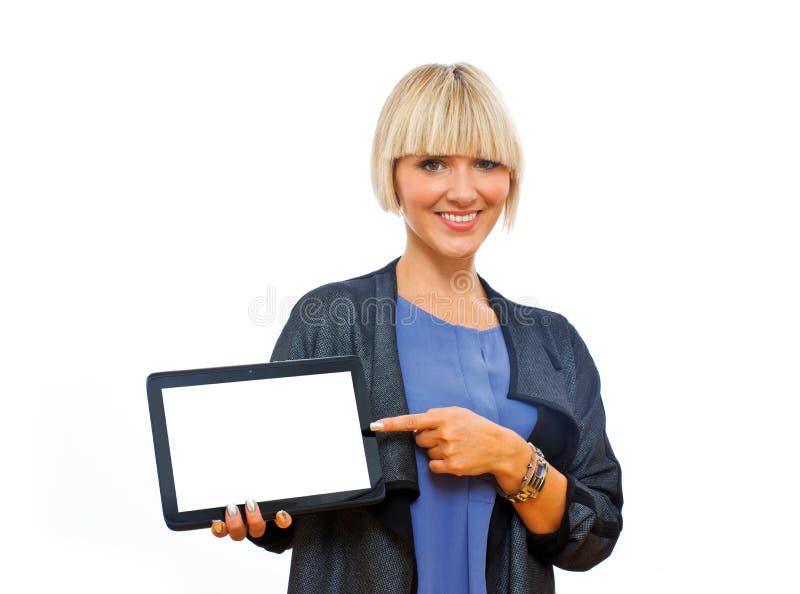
<point x="372" y="549"/>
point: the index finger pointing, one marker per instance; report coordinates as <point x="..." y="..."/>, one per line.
<point x="416" y="422"/>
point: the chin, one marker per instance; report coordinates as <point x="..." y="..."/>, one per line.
<point x="456" y="252"/>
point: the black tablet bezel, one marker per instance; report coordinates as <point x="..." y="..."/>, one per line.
<point x="202" y="518"/>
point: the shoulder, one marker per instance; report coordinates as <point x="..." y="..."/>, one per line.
<point x="534" y="327"/>
<point x="357" y="287"/>
<point x="353" y="289"/>
<point x="329" y="320"/>
<point x="343" y="301"/>
<point x="536" y="321"/>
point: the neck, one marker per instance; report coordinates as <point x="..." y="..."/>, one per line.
<point x="422" y="272"/>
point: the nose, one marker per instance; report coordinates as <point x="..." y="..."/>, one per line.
<point x="461" y="190"/>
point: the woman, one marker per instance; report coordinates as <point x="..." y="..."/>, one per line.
<point x="490" y="424"/>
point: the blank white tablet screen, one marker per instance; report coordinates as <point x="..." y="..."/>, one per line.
<point x="264" y="439"/>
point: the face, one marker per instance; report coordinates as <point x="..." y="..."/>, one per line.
<point x="450" y="203"/>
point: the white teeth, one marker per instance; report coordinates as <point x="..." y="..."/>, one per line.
<point x="459" y="218"/>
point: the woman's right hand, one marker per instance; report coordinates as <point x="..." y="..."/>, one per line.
<point x="234" y="524"/>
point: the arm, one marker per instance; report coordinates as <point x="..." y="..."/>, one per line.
<point x="575" y="521"/>
<point x="593" y="519"/>
<point x="544" y="514"/>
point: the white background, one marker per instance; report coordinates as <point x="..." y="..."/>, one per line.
<point x="167" y="167"/>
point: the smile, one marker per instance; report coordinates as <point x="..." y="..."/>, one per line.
<point x="459" y="218"/>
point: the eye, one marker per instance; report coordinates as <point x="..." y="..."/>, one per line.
<point x="487" y="164"/>
<point x="431" y="165"/>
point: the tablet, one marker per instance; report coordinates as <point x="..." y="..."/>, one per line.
<point x="292" y="435"/>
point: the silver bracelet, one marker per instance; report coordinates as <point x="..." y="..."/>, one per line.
<point x="533" y="481"/>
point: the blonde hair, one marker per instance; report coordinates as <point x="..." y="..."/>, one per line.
<point x="445" y="109"/>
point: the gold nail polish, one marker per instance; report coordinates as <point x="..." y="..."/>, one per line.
<point x="216" y="526"/>
<point x="281" y="515"/>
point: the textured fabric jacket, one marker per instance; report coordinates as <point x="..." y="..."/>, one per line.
<point x="371" y="549"/>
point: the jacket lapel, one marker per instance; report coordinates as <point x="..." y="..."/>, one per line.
<point x="535" y="377"/>
<point x="388" y="393"/>
<point x="396" y="450"/>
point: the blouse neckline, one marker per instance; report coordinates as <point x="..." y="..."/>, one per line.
<point x="442" y="322"/>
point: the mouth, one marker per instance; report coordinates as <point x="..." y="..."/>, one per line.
<point x="459" y="216"/>
<point x="460" y="221"/>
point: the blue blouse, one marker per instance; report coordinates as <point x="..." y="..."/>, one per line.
<point x="448" y="365"/>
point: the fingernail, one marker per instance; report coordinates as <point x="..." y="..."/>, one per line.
<point x="281" y="515"/>
<point x="232" y="510"/>
<point x="251" y="505"/>
<point x="376" y="426"/>
<point x="216" y="526"/>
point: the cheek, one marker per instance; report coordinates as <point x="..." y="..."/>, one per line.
<point x="497" y="189"/>
<point x="418" y="191"/>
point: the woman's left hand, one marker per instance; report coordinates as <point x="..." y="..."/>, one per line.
<point x="463" y="443"/>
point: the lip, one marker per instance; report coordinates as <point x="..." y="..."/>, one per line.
<point x="459" y="213"/>
<point x="463" y="226"/>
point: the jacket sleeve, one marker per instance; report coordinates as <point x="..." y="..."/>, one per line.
<point x="593" y="518"/>
<point x="308" y="333"/>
